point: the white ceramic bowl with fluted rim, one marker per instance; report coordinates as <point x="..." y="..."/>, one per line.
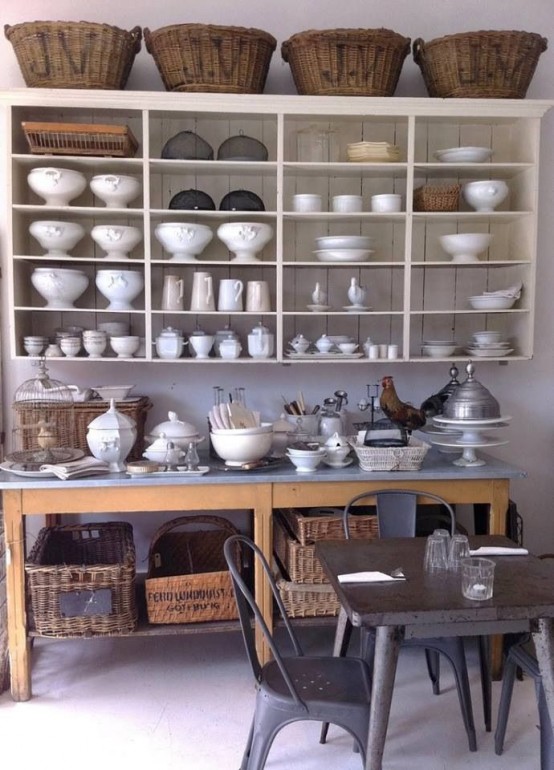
<point x="245" y="239"/>
<point x="115" y="190"/>
<point x="237" y="449"/>
<point x="119" y="287"/>
<point x="485" y="195"/>
<point x="56" y="186"/>
<point x="490" y="302"/>
<point x="465" y="247"/>
<point x="60" y="287"/>
<point x="306" y="463"/>
<point x="344" y="242"/>
<point x="116" y="240"/>
<point x="57" y="238"/>
<point x="183" y="240"/>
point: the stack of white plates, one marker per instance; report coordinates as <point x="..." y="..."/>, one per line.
<point x="343" y="248"/>
<point x="374" y="152"/>
<point x="488" y="344"/>
<point x="463" y="155"/>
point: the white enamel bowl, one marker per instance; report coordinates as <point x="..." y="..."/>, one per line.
<point x="463" y="155"/>
<point x="57" y="186"/>
<point x="487" y="337"/>
<point x="490" y="302"/>
<point x="116" y="240"/>
<point x="60" y="287"/>
<point x="465" y="247"/>
<point x="120" y="287"/>
<point x="438" y="351"/>
<point x="183" y="240"/>
<point x="485" y="195"/>
<point x="245" y="239"/>
<point x="238" y="448"/>
<point x="344" y="242"/>
<point x="343" y="255"/>
<point x="307" y="463"/>
<point x="115" y="190"/>
<point x="57" y="238"/>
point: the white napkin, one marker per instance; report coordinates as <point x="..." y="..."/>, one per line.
<point x="493" y="550"/>
<point x="368" y="577"/>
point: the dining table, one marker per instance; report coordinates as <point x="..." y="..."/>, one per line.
<point x="430" y="604"/>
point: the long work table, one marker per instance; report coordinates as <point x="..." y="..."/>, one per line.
<point x="259" y="491"/>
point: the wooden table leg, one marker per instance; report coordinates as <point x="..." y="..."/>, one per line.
<point x="263" y="537"/>
<point x="497" y="526"/>
<point x="543" y="636"/>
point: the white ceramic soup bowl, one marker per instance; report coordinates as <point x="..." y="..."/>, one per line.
<point x="57" y="238"/>
<point x="183" y="240"/>
<point x="344" y="242"/>
<point x="57" y="186"/>
<point x="125" y="346"/>
<point x="116" y="240"/>
<point x="485" y="194"/>
<point x="487" y="337"/>
<point x="465" y="247"/>
<point x="60" y="287"/>
<point x="387" y="203"/>
<point x="115" y="190"/>
<point x="489" y="302"/>
<point x="245" y="239"/>
<point x="237" y="449"/>
<point x="120" y="287"/>
<point x="307" y="463"/>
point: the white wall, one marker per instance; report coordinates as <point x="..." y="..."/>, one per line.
<point x="524" y="389"/>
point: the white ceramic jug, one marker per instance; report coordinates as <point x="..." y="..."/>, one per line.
<point x="173" y="293"/>
<point x="230" y="295"/>
<point x="202" y="300"/>
<point x="257" y="297"/>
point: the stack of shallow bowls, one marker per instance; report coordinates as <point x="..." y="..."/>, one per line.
<point x="488" y="344"/>
<point x="306" y="459"/>
<point x="463" y="155"/>
<point x="238" y="446"/>
<point x="343" y="248"/>
<point x="372" y="152"/>
<point x="491" y="302"/>
<point x="438" y="348"/>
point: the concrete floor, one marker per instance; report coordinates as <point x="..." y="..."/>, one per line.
<point x="185" y="702"/>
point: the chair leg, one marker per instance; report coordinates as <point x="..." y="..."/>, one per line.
<point x="547" y="742"/>
<point x="343" y="635"/>
<point x="486" y="680"/>
<point x="508" y="678"/>
<point x="432" y="658"/>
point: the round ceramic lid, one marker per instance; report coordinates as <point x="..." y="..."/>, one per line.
<point x="112" y="420"/>
<point x="174" y="428"/>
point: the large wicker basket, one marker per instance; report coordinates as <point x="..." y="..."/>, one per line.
<point x="207" y="57"/>
<point x="74" y="54"/>
<point x="443" y="197"/>
<point x="487" y="64"/>
<point x="405" y="458"/>
<point x="346" y="62"/>
<point x="81" y="580"/>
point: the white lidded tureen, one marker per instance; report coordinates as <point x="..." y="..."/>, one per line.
<point x="175" y="430"/>
<point x="111" y="436"/>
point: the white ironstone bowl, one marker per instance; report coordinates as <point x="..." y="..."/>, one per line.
<point x="60" y="287"/>
<point x="57" y="238"/>
<point x="183" y="240"/>
<point x="115" y="190"/>
<point x="116" y="240"/>
<point x="57" y="186"/>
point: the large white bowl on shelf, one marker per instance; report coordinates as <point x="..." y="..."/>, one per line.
<point x="237" y="447"/>
<point x="439" y="350"/>
<point x="57" y="238"/>
<point x="120" y="287"/>
<point x="57" y="186"/>
<point x="465" y="247"/>
<point x="116" y="240"/>
<point x="343" y="255"/>
<point x="115" y="190"/>
<point x="463" y="155"/>
<point x="245" y="239"/>
<point x="183" y="240"/>
<point x="485" y="194"/>
<point x="490" y="302"/>
<point x="60" y="287"/>
<point x="344" y="242"/>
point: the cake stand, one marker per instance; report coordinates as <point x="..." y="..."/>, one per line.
<point x="472" y="436"/>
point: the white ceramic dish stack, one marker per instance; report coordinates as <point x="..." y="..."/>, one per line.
<point x="463" y="155"/>
<point x="343" y="248"/>
<point x="488" y="344"/>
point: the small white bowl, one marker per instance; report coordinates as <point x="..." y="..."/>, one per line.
<point x="463" y="155"/>
<point x="119" y="392"/>
<point x="306" y="463"/>
<point x="386" y="203"/>
<point x="125" y="346"/>
<point x="484" y="302"/>
<point x="348" y="347"/>
<point x="487" y="337"/>
<point x="465" y="247"/>
<point x="344" y="242"/>
<point x="438" y="351"/>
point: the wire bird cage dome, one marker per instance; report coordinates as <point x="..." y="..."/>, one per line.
<point x="43" y="425"/>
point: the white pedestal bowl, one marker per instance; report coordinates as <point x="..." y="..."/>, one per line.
<point x="465" y="247"/>
<point x="60" y="287"/>
<point x="116" y="240"/>
<point x="56" y="238"/>
<point x="119" y="287"/>
<point x="183" y="240"/>
<point x="245" y="239"/>
<point x="115" y="190"/>
<point x="57" y="186"/>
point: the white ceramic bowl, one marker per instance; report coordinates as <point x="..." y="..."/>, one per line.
<point x="245" y="239"/>
<point x="115" y="190"/>
<point x="438" y="351"/>
<point x="464" y="247"/>
<point x="57" y="186"/>
<point x="183" y="240"/>
<point x="116" y="240"/>
<point x="463" y="155"/>
<point x="344" y="242"/>
<point x="485" y="195"/>
<point x="348" y="347"/>
<point x="114" y="328"/>
<point x="56" y="237"/>
<point x="347" y="204"/>
<point x="120" y="287"/>
<point x="306" y="463"/>
<point x="60" y="287"/>
<point x="265" y="427"/>
<point x="490" y="302"/>
<point x="343" y="255"/>
<point x="238" y="448"/>
<point x="125" y="347"/>
<point x="305" y="202"/>
<point x="387" y="203"/>
<point x="487" y="337"/>
<point x="315" y="452"/>
<point x="119" y="392"/>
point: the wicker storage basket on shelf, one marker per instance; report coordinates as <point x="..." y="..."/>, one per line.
<point x="207" y="57"/>
<point x="81" y="580"/>
<point x="490" y="64"/>
<point x="188" y="580"/>
<point x="405" y="458"/>
<point x="346" y="62"/>
<point x="74" y="54"/>
<point x="305" y="600"/>
<point x="47" y="138"/>
<point x="437" y="197"/>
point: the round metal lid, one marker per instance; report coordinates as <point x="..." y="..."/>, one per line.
<point x="242" y="147"/>
<point x="186" y="145"/>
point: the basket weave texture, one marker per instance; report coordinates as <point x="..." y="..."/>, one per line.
<point x="406" y="458"/>
<point x="489" y="64"/>
<point x="309" y="525"/>
<point x="77" y="558"/>
<point x="188" y="580"/>
<point x="207" y="57"/>
<point x="74" y="54"/>
<point x="302" y="600"/>
<point x="346" y="62"/>
<point x="79" y="139"/>
<point x="437" y="197"/>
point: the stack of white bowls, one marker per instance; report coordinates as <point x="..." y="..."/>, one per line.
<point x="343" y="248"/>
<point x="238" y="446"/>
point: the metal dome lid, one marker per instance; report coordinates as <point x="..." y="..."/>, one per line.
<point x="241" y="200"/>
<point x="471" y="400"/>
<point x="186" y="145"/>
<point x="193" y="200"/>
<point x="242" y="147"/>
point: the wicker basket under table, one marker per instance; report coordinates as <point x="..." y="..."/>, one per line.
<point x="305" y="600"/>
<point x="81" y="580"/>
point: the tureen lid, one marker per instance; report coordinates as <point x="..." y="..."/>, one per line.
<point x="112" y="420"/>
<point x="471" y="400"/>
<point x="336" y="440"/>
<point x="174" y="428"/>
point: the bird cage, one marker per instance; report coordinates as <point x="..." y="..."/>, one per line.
<point x="43" y="424"/>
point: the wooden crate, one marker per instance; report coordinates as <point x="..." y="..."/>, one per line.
<point x="46" y="138"/>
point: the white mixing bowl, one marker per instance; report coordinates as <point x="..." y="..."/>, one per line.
<point x="236" y="447"/>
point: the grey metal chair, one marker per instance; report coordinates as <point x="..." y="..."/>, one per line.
<point x="397" y="512"/>
<point x="294" y="686"/>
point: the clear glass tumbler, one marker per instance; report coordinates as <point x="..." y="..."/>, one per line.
<point x="477" y="578"/>
<point x="458" y="550"/>
<point x="436" y="554"/>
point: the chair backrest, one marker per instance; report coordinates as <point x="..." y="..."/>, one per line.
<point x="248" y="609"/>
<point x="396" y="511"/>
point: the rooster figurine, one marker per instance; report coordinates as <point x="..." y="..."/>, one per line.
<point x="401" y="414"/>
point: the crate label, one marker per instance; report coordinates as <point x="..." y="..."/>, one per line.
<point x="76" y="604"/>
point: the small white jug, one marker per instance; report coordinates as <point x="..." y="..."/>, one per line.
<point x="173" y="293"/>
<point x="230" y="295"/>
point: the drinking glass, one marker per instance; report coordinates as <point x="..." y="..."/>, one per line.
<point x="436" y="554"/>
<point x="458" y="550"/>
<point x="477" y="578"/>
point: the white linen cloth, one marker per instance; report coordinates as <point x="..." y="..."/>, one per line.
<point x="492" y="550"/>
<point x="368" y="577"/>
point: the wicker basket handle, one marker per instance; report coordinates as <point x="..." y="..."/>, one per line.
<point x="217" y="521"/>
<point x="418" y="50"/>
<point x="147" y="39"/>
<point x="136" y="34"/>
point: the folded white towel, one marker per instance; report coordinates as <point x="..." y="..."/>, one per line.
<point x="368" y="577"/>
<point x="492" y="550"/>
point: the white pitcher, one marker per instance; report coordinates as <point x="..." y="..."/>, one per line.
<point x="257" y="297"/>
<point x="230" y="295"/>
<point x="173" y="293"/>
<point x="202" y="299"/>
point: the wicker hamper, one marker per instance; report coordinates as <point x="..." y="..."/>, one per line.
<point x="346" y="62"/>
<point x="188" y="580"/>
<point x="208" y="57"/>
<point x="437" y="197"/>
<point x="81" y="580"/>
<point x="305" y="600"/>
<point x="489" y="64"/>
<point x="73" y="54"/>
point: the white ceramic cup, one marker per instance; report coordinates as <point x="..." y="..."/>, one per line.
<point x="230" y="295"/>
<point x="306" y="202"/>
<point x="173" y="293"/>
<point x="257" y="297"/>
<point x="392" y="351"/>
<point x="386" y="203"/>
<point x="373" y="351"/>
<point x="347" y="204"/>
<point x="202" y="298"/>
<point x="383" y="351"/>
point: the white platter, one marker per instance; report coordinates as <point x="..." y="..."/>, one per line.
<point x="489" y="352"/>
<point x="7" y="466"/>
<point x="312" y="356"/>
<point x="463" y="155"/>
<point x="343" y="255"/>
<point x="451" y="442"/>
<point x="181" y="471"/>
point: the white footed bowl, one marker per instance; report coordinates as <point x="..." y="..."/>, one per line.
<point x="183" y="240"/>
<point x="57" y="238"/>
<point x="115" y="190"/>
<point x="485" y="195"/>
<point x="116" y="240"/>
<point x="60" y="287"/>
<point x="245" y="239"/>
<point x="125" y="346"/>
<point x="464" y="247"/>
<point x="244" y="448"/>
<point x="57" y="186"/>
<point x="120" y="287"/>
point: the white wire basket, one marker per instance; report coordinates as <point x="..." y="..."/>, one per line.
<point x="405" y="458"/>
